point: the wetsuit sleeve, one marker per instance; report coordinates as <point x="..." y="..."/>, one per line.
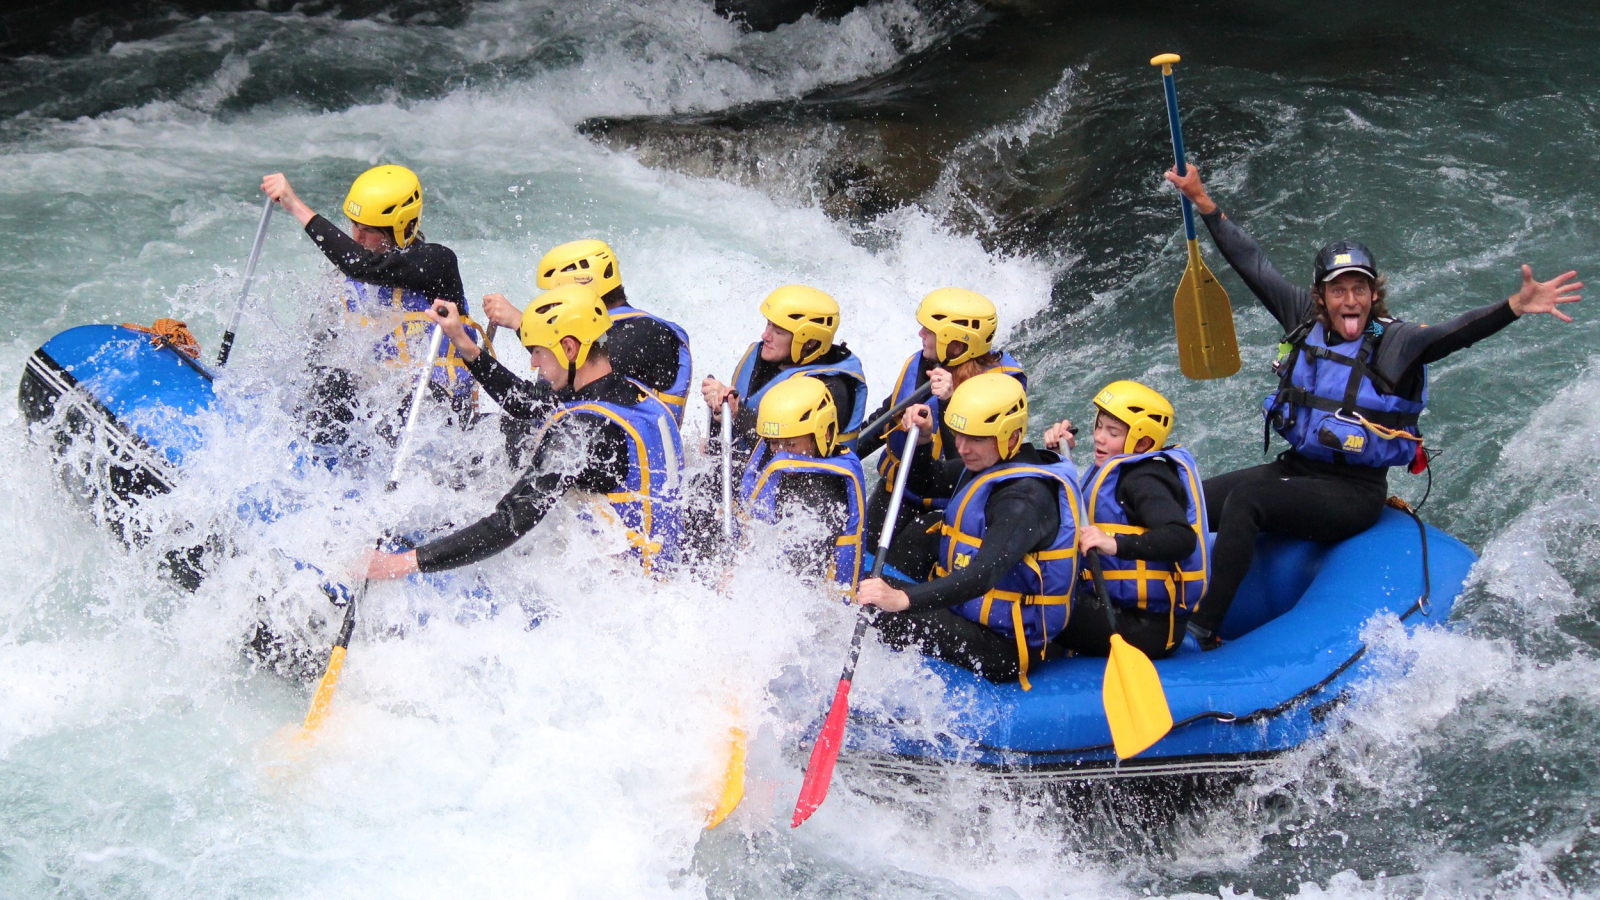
<point x="869" y="444"/>
<point x="428" y="269"/>
<point x="1409" y="345"/>
<point x="1154" y="498"/>
<point x="933" y="478"/>
<point x="521" y="399"/>
<point x="1289" y="303"/>
<point x="578" y="453"/>
<point x="844" y="397"/>
<point x="1023" y="517"/>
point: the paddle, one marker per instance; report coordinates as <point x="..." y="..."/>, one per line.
<point x="244" y="290"/>
<point x="825" y="752"/>
<point x="1207" y="347"/>
<point x="727" y="470"/>
<point x="920" y="395"/>
<point x="330" y="678"/>
<point x="733" y="780"/>
<point x="1136" y="706"/>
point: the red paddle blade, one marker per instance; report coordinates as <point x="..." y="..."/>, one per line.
<point x="824" y="753"/>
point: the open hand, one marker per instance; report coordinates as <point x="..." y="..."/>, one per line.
<point x="1546" y="296"/>
<point x="942" y="381"/>
<point x="877" y="592"/>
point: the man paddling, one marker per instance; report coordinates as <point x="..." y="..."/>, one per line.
<point x="1352" y="382"/>
<point x="393" y="275"/>
<point x="1005" y="562"/>
<point x="644" y="347"/>
<point x="607" y="437"/>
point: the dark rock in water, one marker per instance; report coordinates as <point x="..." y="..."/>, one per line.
<point x="854" y="169"/>
<point x="765" y="15"/>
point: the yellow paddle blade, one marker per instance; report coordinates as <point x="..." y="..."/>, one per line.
<point x="1136" y="707"/>
<point x="733" y="782"/>
<point x="324" y="695"/>
<point x="1207" y="347"/>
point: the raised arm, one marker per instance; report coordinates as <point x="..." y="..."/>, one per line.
<point x="1288" y="302"/>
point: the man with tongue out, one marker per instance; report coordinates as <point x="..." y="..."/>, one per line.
<point x="1352" y="382"/>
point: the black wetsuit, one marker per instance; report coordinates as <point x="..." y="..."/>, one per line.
<point x="577" y="453"/>
<point x="1155" y="499"/>
<point x="1294" y="495"/>
<point x="811" y="494"/>
<point x="424" y="268"/>
<point x="640" y="348"/>
<point x="1022" y="516"/>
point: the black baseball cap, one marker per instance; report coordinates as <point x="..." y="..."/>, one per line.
<point x="1341" y="257"/>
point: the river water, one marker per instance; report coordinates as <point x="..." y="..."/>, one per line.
<point x="897" y="149"/>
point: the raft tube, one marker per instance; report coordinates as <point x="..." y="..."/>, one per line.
<point x="1292" y="654"/>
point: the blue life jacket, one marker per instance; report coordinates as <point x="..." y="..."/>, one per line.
<point x="1329" y="407"/>
<point x="366" y="305"/>
<point x="1142" y="584"/>
<point x="1033" y="601"/>
<point x="648" y="504"/>
<point x="758" y="496"/>
<point x="849" y="367"/>
<point x="895" y="441"/>
<point x="677" y="397"/>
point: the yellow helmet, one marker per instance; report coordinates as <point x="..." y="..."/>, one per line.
<point x="387" y="197"/>
<point x="990" y="405"/>
<point x="954" y="314"/>
<point x="798" y="406"/>
<point x="581" y="262"/>
<point x="570" y="310"/>
<point x="1146" y="413"/>
<point x="808" y="313"/>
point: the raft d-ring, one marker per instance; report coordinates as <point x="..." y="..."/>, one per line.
<point x="1424" y="607"/>
<point x="1226" y="718"/>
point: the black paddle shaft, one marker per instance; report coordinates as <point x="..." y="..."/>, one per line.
<point x="920" y="395"/>
<point x="1100" y="589"/>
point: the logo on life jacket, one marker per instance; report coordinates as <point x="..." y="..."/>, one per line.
<point x="1354" y="443"/>
<point x="963" y="560"/>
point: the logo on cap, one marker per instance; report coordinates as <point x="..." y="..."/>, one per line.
<point x="1341" y="259"/>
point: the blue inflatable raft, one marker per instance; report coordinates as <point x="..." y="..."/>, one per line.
<point x="1292" y="654"/>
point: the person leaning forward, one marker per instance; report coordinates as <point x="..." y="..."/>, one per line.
<point x="1005" y="562"/>
<point x="1144" y="511"/>
<point x="606" y="437"/>
<point x="1352" y="382"/>
<point x="644" y="347"/>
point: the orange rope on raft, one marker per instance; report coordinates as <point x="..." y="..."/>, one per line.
<point x="171" y="332"/>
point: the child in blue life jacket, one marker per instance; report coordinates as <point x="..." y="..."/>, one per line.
<point x="1143" y="510"/>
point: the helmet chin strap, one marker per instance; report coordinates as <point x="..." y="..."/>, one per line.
<point x="571" y="390"/>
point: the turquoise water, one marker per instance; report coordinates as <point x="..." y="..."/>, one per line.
<point x="1019" y="156"/>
